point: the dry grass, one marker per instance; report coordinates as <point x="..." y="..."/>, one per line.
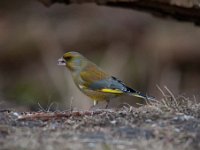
<point x="169" y="123"/>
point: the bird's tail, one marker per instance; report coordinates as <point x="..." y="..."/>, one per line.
<point x="143" y="96"/>
<point x="135" y="93"/>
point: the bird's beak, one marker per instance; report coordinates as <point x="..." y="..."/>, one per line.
<point x="61" y="62"/>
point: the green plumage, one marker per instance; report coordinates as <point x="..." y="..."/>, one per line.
<point x="93" y="81"/>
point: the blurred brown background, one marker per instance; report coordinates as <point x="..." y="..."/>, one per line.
<point x="141" y="50"/>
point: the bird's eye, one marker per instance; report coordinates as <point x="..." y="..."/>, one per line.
<point x="68" y="58"/>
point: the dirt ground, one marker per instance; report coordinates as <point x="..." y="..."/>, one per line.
<point x="163" y="125"/>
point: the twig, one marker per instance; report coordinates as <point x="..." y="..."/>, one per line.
<point x="165" y="96"/>
<point x="42" y="109"/>
<point x="71" y="102"/>
<point x="172" y="95"/>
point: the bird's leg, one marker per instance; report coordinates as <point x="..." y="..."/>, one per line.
<point x="107" y="103"/>
<point x="95" y="103"/>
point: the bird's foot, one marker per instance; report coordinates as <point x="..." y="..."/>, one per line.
<point x="108" y="101"/>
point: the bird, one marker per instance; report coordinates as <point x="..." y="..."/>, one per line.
<point x="93" y="81"/>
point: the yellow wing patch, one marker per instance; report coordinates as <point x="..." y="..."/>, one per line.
<point x="114" y="91"/>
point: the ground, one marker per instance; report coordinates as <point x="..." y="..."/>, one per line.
<point x="170" y="123"/>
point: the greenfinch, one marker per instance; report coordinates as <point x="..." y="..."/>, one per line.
<point x="93" y="81"/>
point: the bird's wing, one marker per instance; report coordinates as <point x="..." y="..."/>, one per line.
<point x="115" y="86"/>
<point x="111" y="85"/>
<point x="100" y="81"/>
<point x="95" y="79"/>
<point x="92" y="74"/>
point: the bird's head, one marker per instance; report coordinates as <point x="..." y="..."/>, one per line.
<point x="72" y="60"/>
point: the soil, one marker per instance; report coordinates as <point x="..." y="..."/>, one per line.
<point x="167" y="124"/>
